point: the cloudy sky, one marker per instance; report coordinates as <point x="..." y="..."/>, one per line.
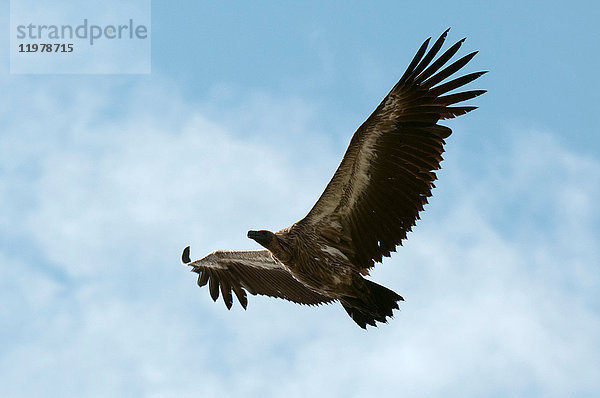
<point x="247" y="112"/>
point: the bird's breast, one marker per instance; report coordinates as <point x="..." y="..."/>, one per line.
<point x="326" y="271"/>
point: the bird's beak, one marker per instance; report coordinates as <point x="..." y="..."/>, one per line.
<point x="253" y="234"/>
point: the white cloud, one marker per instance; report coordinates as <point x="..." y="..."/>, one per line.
<point x="500" y="276"/>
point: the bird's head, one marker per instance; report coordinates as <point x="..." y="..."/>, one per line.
<point x="262" y="237"/>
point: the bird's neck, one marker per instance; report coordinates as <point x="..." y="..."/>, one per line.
<point x="280" y="248"/>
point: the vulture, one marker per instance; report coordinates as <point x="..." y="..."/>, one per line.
<point x="367" y="208"/>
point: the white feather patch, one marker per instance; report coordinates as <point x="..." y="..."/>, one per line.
<point x="334" y="252"/>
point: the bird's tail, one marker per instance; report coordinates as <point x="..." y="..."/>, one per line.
<point x="376" y="304"/>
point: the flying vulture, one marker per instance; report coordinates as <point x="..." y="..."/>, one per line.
<point x="366" y="210"/>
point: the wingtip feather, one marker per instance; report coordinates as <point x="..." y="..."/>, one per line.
<point x="213" y="287"/>
<point x="185" y="256"/>
<point x="444" y="34"/>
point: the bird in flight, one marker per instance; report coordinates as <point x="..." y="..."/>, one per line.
<point x="366" y="210"/>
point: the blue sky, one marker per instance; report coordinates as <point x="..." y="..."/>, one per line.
<point x="247" y="111"/>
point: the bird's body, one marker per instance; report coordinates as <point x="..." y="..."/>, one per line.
<point x="311" y="261"/>
<point x="366" y="210"/>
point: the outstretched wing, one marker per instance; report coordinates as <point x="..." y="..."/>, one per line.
<point x="387" y="172"/>
<point x="254" y="271"/>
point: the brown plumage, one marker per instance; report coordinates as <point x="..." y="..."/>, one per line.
<point x="366" y="210"/>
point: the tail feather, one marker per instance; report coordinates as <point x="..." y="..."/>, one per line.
<point x="379" y="303"/>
